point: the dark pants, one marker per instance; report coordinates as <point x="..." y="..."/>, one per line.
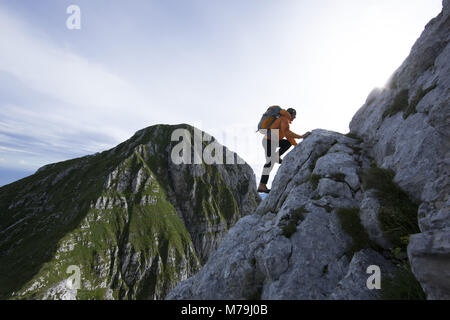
<point x="269" y="149"/>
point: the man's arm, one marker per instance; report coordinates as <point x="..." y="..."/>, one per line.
<point x="288" y="133"/>
<point x="291" y="136"/>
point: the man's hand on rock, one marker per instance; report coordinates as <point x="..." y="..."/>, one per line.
<point x="306" y="135"/>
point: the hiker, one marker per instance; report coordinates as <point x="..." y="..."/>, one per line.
<point x="276" y="130"/>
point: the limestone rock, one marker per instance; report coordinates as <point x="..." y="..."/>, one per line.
<point x="262" y="258"/>
<point x="354" y="285"/>
<point x="370" y="207"/>
<point x="429" y="253"/>
<point x="406" y="128"/>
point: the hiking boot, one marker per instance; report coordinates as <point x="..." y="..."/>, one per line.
<point x="263" y="190"/>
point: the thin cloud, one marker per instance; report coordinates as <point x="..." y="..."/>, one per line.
<point x="59" y="73"/>
<point x="15" y="150"/>
<point x="79" y="104"/>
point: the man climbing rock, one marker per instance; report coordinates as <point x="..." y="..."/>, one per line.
<point x="277" y="135"/>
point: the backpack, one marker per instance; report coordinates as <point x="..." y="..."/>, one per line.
<point x="268" y="118"/>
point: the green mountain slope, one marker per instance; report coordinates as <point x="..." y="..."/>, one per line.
<point x="133" y="223"/>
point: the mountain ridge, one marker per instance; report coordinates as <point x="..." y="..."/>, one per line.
<point x="99" y="212"/>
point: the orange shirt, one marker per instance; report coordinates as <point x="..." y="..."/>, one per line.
<point x="282" y="123"/>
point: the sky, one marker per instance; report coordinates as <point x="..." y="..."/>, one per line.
<point x="215" y="64"/>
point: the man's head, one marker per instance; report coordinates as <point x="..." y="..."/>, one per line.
<point x="292" y="112"/>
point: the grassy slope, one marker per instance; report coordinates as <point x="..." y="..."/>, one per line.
<point x="47" y="213"/>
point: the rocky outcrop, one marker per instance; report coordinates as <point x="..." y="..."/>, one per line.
<point x="129" y="221"/>
<point x="341" y="206"/>
<point x="406" y="128"/>
<point x="295" y="245"/>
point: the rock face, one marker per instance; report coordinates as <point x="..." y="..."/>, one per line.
<point x="341" y="204"/>
<point x="129" y="220"/>
<point x="261" y="257"/>
<point x="406" y="128"/>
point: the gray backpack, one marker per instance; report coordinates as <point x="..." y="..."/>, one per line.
<point x="268" y="118"/>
